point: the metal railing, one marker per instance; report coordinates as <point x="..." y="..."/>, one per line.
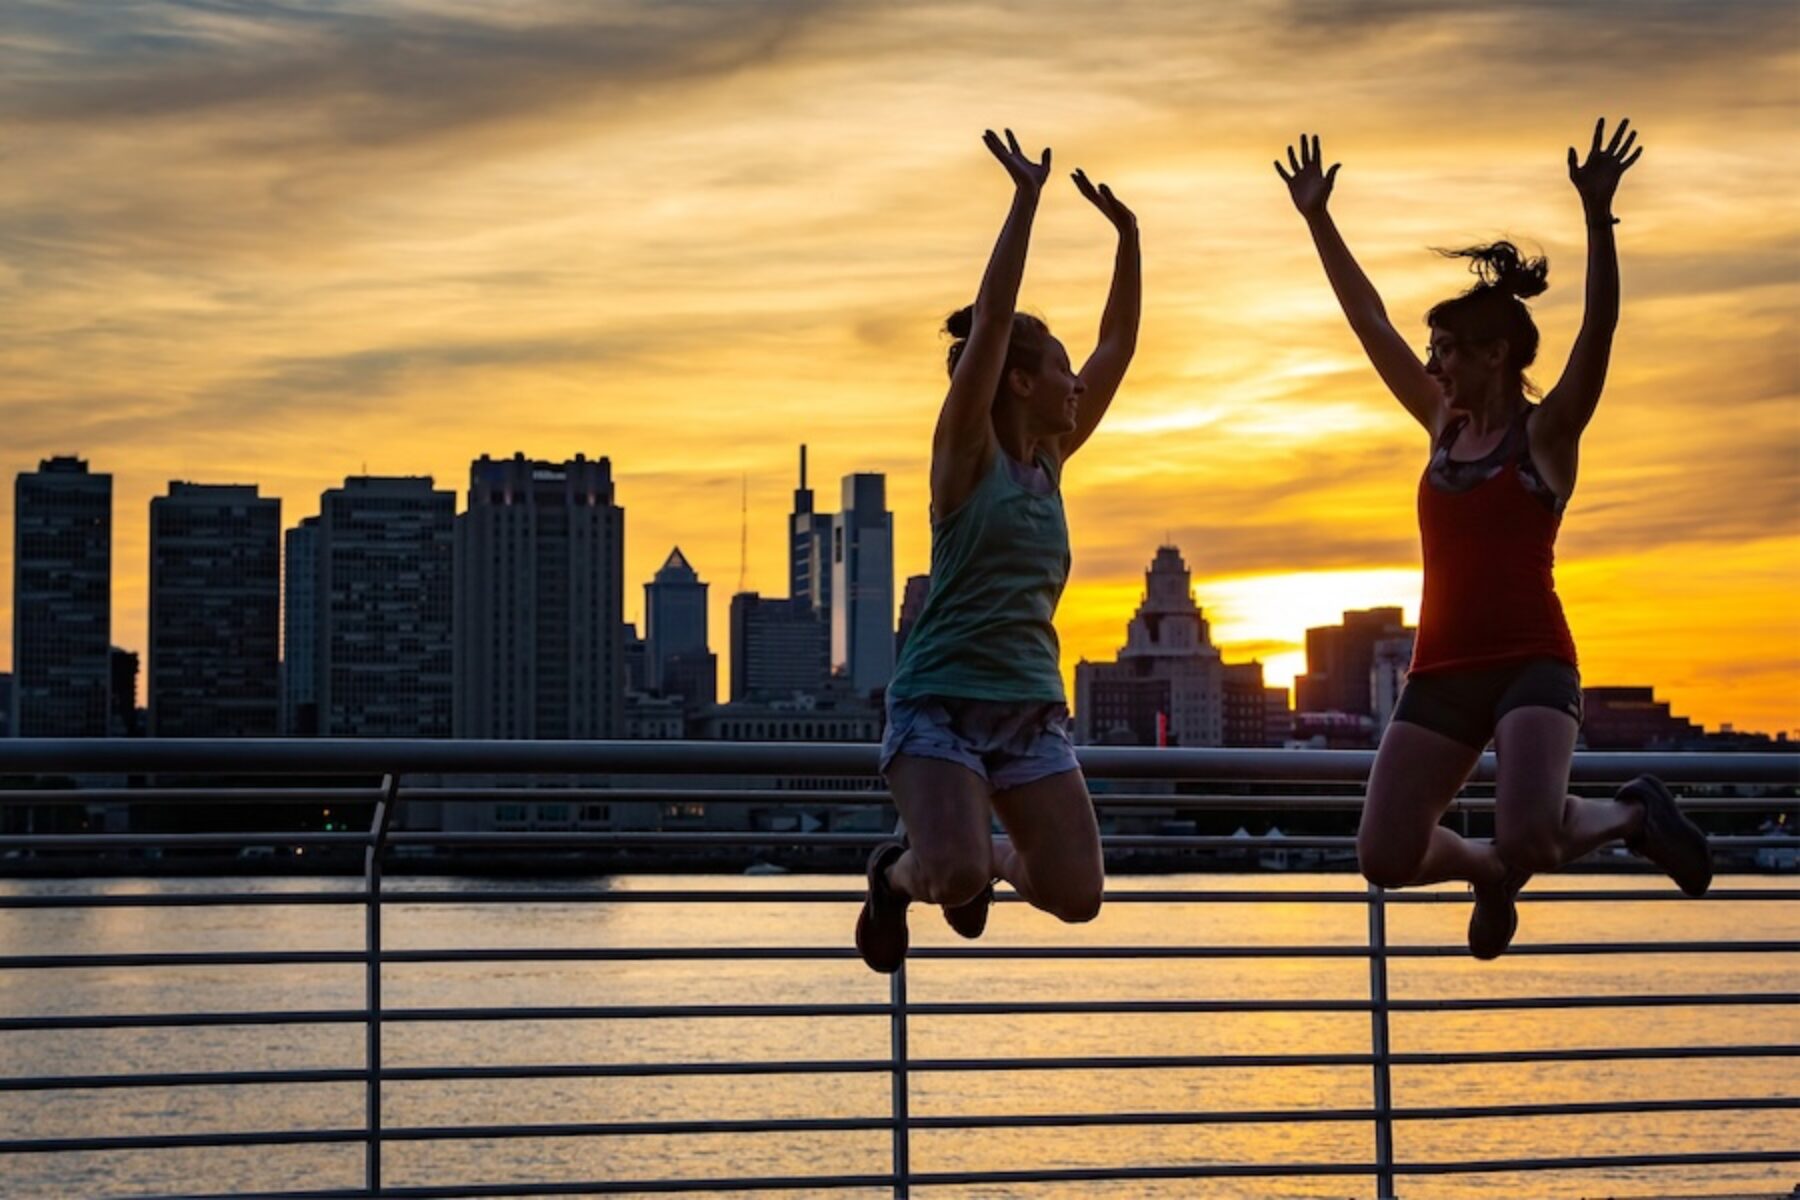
<point x="1761" y="783"/>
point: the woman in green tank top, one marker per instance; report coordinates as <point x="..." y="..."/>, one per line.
<point x="977" y="719"/>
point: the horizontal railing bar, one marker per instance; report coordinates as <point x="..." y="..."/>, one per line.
<point x="188" y="900"/>
<point x="575" y="838"/>
<point x="589" y="1129"/>
<point x="468" y="1191"/>
<point x="376" y="756"/>
<point x="1209" y="1061"/>
<point x="759" y="797"/>
<point x="182" y="1141"/>
<point x="807" y="896"/>
<point x="654" y="1012"/>
<point x="1236" y="1170"/>
<point x="1632" y="1000"/>
<point x="1589" y="1162"/>
<point x="814" y="953"/>
<point x="923" y="1179"/>
<point x="868" y="1066"/>
<point x="193" y="1020"/>
<point x="130" y="841"/>
<point x="181" y="1079"/>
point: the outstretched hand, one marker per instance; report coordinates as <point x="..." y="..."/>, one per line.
<point x="1027" y="176"/>
<point x="1308" y="183"/>
<point x="1598" y="178"/>
<point x="1102" y="198"/>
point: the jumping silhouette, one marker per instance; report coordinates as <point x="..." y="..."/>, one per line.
<point x="977" y="718"/>
<point x="1494" y="657"/>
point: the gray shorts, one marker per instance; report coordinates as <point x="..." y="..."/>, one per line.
<point x="1007" y="743"/>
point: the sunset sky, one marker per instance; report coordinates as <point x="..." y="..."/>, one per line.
<point x="284" y="243"/>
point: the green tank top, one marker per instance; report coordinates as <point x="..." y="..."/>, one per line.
<point x="998" y="565"/>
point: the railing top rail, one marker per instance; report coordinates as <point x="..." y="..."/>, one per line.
<point x="338" y="756"/>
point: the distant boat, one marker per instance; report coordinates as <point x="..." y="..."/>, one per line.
<point x="765" y="868"/>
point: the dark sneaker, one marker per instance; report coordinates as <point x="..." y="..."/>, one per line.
<point x="1668" y="838"/>
<point x="881" y="936"/>
<point x="1496" y="915"/>
<point x="970" y="918"/>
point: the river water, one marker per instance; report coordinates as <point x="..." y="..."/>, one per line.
<point x="553" y="923"/>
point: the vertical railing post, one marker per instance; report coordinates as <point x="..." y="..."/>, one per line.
<point x="1378" y="1041"/>
<point x="378" y="830"/>
<point x="901" y="1093"/>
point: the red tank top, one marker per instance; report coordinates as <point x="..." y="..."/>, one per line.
<point x="1489" y="532"/>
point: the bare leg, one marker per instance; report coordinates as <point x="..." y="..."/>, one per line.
<point x="1051" y="853"/>
<point x="1399" y="843"/>
<point x="949" y="822"/>
<point x="1538" y="826"/>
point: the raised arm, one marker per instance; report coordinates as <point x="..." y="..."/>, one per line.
<point x="1310" y="187"/>
<point x="1570" y="405"/>
<point x="1105" y="367"/>
<point x="963" y="445"/>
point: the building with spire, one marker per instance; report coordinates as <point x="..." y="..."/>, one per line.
<point x="1166" y="685"/>
<point x="677" y="658"/>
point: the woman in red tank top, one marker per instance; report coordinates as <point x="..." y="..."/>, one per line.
<point x="1493" y="657"/>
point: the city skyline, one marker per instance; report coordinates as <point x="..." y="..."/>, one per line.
<point x="722" y="663"/>
<point x="396" y="239"/>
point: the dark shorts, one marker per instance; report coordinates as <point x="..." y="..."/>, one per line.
<point x="1466" y="705"/>
<point x="1008" y="744"/>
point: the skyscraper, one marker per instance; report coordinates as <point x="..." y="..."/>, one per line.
<point x="809" y="551"/>
<point x="1166" y="686"/>
<point x="62" y="600"/>
<point x="215" y="612"/>
<point x="300" y="632"/>
<point x="385" y="591"/>
<point x="1339" y="659"/>
<point x="675" y="629"/>
<point x="779" y="648"/>
<point x="862" y="584"/>
<point x="540" y="596"/>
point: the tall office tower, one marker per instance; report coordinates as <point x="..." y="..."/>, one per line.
<point x="385" y="594"/>
<point x="862" y="585"/>
<point x="62" y="600"/>
<point x="300" y="632"/>
<point x="912" y="606"/>
<point x="540" y="598"/>
<point x="215" y="612"/>
<point x="126" y="718"/>
<point x="674" y="619"/>
<point x="1339" y="659"/>
<point x="1166" y="686"/>
<point x="779" y="649"/>
<point x="809" y="551"/>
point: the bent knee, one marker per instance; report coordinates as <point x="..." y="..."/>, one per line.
<point x="1076" y="906"/>
<point x="1383" y="867"/>
<point x="1529" y="850"/>
<point x="954" y="881"/>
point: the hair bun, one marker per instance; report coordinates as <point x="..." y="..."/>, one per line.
<point x="1502" y="267"/>
<point x="959" y="323"/>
